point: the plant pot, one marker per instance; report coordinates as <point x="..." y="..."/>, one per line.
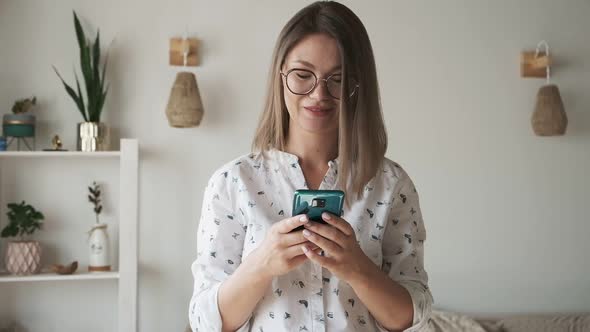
<point x="18" y="125"/>
<point x="93" y="136"/>
<point x="23" y="257"/>
<point x="98" y="245"/>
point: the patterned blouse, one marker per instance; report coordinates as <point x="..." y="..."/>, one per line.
<point x="246" y="196"/>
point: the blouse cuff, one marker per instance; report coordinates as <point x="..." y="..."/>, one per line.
<point x="422" y="303"/>
<point x="210" y="317"/>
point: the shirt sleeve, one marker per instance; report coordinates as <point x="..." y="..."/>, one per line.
<point x="403" y="250"/>
<point x="220" y="241"/>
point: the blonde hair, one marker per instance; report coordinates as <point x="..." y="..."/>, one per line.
<point x="362" y="139"/>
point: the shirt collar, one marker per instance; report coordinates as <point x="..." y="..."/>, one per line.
<point x="290" y="158"/>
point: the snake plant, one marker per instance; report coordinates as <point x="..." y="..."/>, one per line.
<point x="94" y="77"/>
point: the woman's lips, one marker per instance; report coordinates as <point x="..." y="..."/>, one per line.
<point x="318" y="111"/>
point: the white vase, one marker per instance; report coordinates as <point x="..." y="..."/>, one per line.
<point x="93" y="136"/>
<point x="98" y="246"/>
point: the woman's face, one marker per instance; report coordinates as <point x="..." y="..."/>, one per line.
<point x="317" y="111"/>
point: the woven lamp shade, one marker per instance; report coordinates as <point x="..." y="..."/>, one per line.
<point x="549" y="118"/>
<point x="185" y="108"/>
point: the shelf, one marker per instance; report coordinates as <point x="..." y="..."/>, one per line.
<point x="57" y="277"/>
<point x="28" y="154"/>
<point x="126" y="276"/>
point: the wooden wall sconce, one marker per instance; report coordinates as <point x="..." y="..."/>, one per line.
<point x="549" y="117"/>
<point x="534" y="64"/>
<point x="181" y="48"/>
<point x="185" y="106"/>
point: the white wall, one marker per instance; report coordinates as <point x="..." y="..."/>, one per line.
<point x="506" y="211"/>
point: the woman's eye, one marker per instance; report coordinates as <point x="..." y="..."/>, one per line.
<point x="303" y="76"/>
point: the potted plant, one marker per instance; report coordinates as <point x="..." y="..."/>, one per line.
<point x="21" y="123"/>
<point x="93" y="135"/>
<point x="22" y="257"/>
<point x="98" y="242"/>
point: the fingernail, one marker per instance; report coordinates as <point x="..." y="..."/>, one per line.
<point x="306" y="232"/>
<point x="303" y="219"/>
<point x="304" y="248"/>
<point x="326" y="216"/>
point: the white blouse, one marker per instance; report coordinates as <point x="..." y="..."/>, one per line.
<point x="246" y="196"/>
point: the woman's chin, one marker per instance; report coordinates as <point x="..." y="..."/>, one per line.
<point x="318" y="127"/>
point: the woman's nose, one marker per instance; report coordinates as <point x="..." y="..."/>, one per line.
<point x="320" y="91"/>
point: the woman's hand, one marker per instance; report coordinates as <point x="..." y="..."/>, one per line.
<point x="342" y="254"/>
<point x="281" y="251"/>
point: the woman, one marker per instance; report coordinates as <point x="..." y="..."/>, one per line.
<point x="322" y="128"/>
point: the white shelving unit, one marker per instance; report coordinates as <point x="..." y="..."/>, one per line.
<point x="128" y="227"/>
<point x="56" y="277"/>
<point x="61" y="154"/>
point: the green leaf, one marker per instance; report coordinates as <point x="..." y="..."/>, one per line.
<point x="73" y="94"/>
<point x="88" y="79"/>
<point x="104" y="69"/>
<point x="81" y="106"/>
<point x="38" y="215"/>
<point x="96" y="76"/>
<point x="9" y="231"/>
<point x="85" y="63"/>
<point x="102" y="99"/>
<point x="103" y="94"/>
<point x="96" y="55"/>
<point x="24" y="219"/>
<point x="79" y="31"/>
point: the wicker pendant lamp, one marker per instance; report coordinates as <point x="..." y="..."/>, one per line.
<point x="549" y="118"/>
<point x="185" y="107"/>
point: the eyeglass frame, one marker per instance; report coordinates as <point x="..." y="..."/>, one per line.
<point x="315" y="84"/>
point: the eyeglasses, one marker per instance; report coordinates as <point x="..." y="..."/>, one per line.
<point x="302" y="82"/>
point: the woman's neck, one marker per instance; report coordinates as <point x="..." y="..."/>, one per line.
<point x="314" y="151"/>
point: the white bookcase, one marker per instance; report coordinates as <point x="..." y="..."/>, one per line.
<point x="127" y="253"/>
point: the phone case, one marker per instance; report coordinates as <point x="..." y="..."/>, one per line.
<point x="314" y="202"/>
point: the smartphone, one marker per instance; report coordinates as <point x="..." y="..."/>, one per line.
<point x="314" y="202"/>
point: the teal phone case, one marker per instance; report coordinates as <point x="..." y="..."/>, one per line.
<point x="314" y="202"/>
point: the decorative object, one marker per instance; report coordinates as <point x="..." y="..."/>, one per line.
<point x="98" y="240"/>
<point x="20" y="125"/>
<point x="549" y="117"/>
<point x="178" y="48"/>
<point x="185" y="107"/>
<point x="92" y="135"/>
<point x="22" y="257"/>
<point x="67" y="269"/>
<point x="56" y="143"/>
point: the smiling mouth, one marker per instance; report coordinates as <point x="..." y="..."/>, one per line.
<point x="319" y="110"/>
